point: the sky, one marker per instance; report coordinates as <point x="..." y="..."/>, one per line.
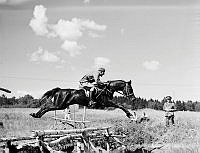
<point x="48" y="44"/>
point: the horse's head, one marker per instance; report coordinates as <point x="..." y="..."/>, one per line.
<point x="128" y="91"/>
<point x="125" y="87"/>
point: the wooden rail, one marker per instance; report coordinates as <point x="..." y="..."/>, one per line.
<point x="54" y="140"/>
<point x="37" y="133"/>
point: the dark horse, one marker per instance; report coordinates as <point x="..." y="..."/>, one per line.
<point x="62" y="98"/>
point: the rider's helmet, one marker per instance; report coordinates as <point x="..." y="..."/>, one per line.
<point x="101" y="71"/>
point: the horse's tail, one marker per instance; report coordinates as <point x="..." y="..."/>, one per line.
<point x="50" y="93"/>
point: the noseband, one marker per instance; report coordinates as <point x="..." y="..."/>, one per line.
<point x="127" y="91"/>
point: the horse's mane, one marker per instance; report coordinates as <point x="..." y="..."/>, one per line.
<point x="111" y="81"/>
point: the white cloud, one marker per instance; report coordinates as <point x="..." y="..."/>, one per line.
<point x="122" y="31"/>
<point x="151" y="65"/>
<point x="91" y="25"/>
<point x="43" y="55"/>
<point x="39" y="21"/>
<point x="59" y="66"/>
<point x="86" y="1"/>
<point x="68" y="31"/>
<point x="71" y="47"/>
<point x="73" y="30"/>
<point x="93" y="35"/>
<point x="101" y="62"/>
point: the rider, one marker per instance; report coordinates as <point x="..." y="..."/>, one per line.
<point x="90" y="81"/>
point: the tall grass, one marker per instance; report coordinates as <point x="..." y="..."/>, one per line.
<point x="181" y="138"/>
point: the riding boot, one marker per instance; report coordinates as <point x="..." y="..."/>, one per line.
<point x="91" y="96"/>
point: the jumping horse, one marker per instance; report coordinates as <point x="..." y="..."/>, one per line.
<point x="59" y="99"/>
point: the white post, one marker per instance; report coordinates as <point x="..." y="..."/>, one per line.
<point x="84" y="116"/>
<point x="67" y="114"/>
<point x="74" y="117"/>
<point x="80" y="147"/>
<point x="55" y="123"/>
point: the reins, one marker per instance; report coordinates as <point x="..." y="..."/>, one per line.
<point x="105" y="88"/>
<point x="126" y="89"/>
<point x="101" y="92"/>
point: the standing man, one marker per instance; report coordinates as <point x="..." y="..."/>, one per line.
<point x="89" y="81"/>
<point x="169" y="108"/>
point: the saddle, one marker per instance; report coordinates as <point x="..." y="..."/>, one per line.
<point x="98" y="89"/>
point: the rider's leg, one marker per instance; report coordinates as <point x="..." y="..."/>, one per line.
<point x="91" y="96"/>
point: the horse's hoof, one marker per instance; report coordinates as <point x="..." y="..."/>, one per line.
<point x="129" y="115"/>
<point x="33" y="115"/>
<point x="132" y="119"/>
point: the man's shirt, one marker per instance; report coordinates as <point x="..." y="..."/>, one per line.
<point x="168" y="107"/>
<point x="91" y="77"/>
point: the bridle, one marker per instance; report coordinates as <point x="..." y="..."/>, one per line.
<point x="128" y="94"/>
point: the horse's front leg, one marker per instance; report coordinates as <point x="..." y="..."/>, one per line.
<point x="112" y="104"/>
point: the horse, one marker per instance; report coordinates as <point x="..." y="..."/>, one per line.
<point x="63" y="98"/>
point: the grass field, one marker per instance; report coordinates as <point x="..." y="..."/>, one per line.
<point x="184" y="137"/>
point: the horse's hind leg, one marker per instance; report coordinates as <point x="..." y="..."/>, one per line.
<point x="48" y="106"/>
<point x="40" y="113"/>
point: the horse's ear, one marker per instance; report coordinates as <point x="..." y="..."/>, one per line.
<point x="130" y="81"/>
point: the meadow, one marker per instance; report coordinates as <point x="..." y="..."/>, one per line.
<point x="184" y="137"/>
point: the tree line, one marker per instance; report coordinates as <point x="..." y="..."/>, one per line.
<point x="28" y="101"/>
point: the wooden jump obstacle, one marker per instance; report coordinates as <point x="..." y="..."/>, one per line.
<point x="80" y="140"/>
<point x="72" y="122"/>
<point x="86" y="140"/>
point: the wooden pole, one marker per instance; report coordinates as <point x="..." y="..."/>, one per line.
<point x="55" y="123"/>
<point x="59" y="132"/>
<point x="78" y="147"/>
<point x="64" y="139"/>
<point x="84" y="116"/>
<point x="16" y="139"/>
<point x="74" y="117"/>
<point x="84" y="113"/>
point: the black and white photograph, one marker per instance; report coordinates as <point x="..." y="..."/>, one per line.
<point x="99" y="76"/>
